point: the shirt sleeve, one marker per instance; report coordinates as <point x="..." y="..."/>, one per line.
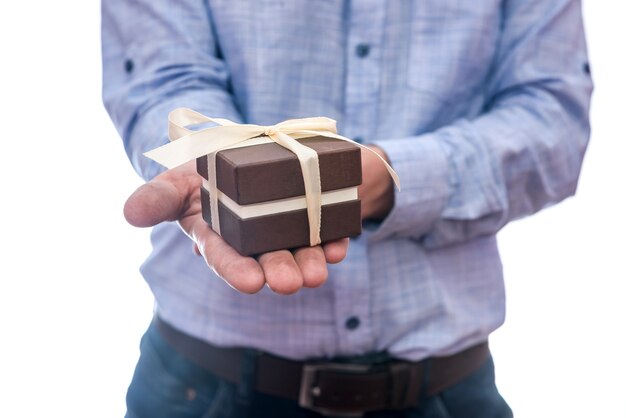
<point x="159" y="55"/>
<point x="523" y="153"/>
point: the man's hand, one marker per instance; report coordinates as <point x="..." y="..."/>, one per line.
<point x="175" y="196"/>
<point x="376" y="191"/>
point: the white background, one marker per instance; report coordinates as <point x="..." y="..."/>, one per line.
<point x="73" y="305"/>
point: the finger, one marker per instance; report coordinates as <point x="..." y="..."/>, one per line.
<point x="282" y="273"/>
<point x="312" y="264"/>
<point x="241" y="273"/>
<point x="335" y="251"/>
<point x="153" y="203"/>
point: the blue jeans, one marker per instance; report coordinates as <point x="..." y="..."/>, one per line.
<point x="167" y="385"/>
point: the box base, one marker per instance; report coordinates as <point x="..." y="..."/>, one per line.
<point x="285" y="230"/>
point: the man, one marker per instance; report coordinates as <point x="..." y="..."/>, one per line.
<point x="480" y="107"/>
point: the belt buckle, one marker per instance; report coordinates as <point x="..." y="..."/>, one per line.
<point x="308" y="390"/>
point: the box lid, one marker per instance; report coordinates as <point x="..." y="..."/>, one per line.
<point x="267" y="172"/>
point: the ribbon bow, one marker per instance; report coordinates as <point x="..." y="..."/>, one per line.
<point x="187" y="145"/>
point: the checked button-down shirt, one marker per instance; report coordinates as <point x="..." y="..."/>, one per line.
<point x="482" y="108"/>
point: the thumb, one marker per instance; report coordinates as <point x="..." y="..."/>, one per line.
<point x="152" y="203"/>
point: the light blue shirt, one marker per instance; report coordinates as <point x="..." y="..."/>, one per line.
<point x="482" y="108"/>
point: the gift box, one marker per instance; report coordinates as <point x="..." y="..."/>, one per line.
<point x="266" y="188"/>
<point x="261" y="190"/>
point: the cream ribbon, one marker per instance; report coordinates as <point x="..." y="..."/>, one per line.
<point x="187" y="145"/>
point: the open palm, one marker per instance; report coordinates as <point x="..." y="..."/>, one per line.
<point x="175" y="196"/>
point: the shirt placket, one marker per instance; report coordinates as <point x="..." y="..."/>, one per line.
<point x="364" y="65"/>
<point x="362" y="89"/>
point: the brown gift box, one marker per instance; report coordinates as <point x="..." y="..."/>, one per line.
<point x="251" y="176"/>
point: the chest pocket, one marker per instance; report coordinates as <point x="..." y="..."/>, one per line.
<point x="452" y="44"/>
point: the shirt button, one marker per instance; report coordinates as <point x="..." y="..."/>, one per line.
<point x="587" y="68"/>
<point x="362" y="50"/>
<point x="353" y="323"/>
<point x="128" y="66"/>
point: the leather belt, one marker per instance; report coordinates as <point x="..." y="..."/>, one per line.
<point x="334" y="388"/>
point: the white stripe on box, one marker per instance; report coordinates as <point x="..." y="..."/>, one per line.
<point x="282" y="205"/>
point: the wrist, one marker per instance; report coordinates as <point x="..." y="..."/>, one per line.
<point x="376" y="191"/>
